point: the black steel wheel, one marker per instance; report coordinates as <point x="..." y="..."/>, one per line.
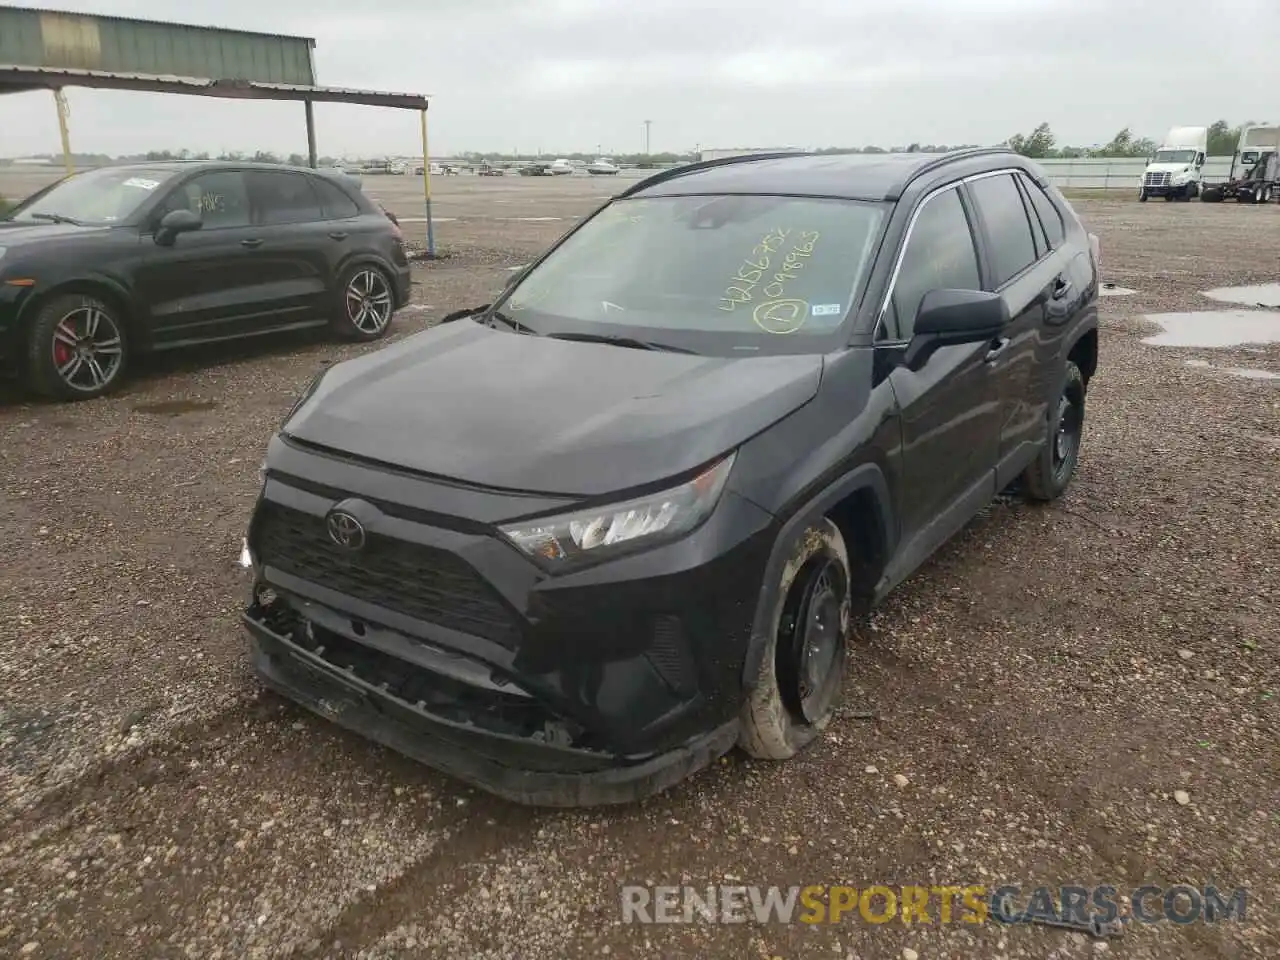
<point x="800" y="676"/>
<point x="367" y="303"/>
<point x="811" y="638"/>
<point x="77" y="348"/>
<point x="1050" y="473"/>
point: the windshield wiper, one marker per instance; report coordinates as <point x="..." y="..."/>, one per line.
<point x="55" y="218"/>
<point x="514" y="324"/>
<point x="617" y="341"/>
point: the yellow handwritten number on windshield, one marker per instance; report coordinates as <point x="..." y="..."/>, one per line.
<point x="781" y="316"/>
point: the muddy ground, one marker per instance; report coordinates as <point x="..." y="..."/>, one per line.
<point x="1044" y="685"/>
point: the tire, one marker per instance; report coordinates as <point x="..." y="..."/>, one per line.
<point x="1049" y="475"/>
<point x="1264" y="195"/>
<point x="1211" y="195"/>
<point x="1142" y="196"/>
<point x="779" y="718"/>
<point x="77" y="348"/>
<point x="366" y="304"/>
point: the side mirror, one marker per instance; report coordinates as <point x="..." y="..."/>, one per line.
<point x="949" y="317"/>
<point x="175" y="222"/>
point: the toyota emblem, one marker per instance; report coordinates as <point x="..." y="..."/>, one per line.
<point x="345" y="530"/>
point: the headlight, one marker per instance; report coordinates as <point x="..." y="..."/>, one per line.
<point x="598" y="533"/>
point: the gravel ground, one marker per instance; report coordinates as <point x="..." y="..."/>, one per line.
<point x="1041" y="696"/>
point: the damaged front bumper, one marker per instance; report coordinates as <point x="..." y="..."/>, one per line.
<point x="453" y="715"/>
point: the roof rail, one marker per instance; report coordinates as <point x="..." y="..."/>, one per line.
<point x="895" y="192"/>
<point x="662" y="176"/>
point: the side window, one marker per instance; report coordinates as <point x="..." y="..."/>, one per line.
<point x="1009" y="231"/>
<point x="337" y="205"/>
<point x="1050" y="217"/>
<point x="1037" y="231"/>
<point x="218" y="198"/>
<point x="940" y="255"/>
<point x="283" y="198"/>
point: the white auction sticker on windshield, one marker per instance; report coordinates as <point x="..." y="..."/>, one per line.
<point x="825" y="309"/>
<point x="142" y="183"/>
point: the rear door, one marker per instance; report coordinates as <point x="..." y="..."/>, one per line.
<point x="950" y="405"/>
<point x="204" y="285"/>
<point x="298" y="246"/>
<point x="1019" y="265"/>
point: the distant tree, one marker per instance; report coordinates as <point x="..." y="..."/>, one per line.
<point x="1124" y="144"/>
<point x="265" y="156"/>
<point x="297" y="160"/>
<point x="1037" y="145"/>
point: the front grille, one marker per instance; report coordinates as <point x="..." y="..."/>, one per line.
<point x="421" y="582"/>
<point x="1157" y="179"/>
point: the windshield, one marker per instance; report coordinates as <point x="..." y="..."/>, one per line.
<point x="96" y="197"/>
<point x="735" y="272"/>
<point x="1175" y="156"/>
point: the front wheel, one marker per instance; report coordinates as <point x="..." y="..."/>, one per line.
<point x="802" y="670"/>
<point x="1049" y="475"/>
<point x="367" y="304"/>
<point x="1142" y="196"/>
<point x="77" y="348"/>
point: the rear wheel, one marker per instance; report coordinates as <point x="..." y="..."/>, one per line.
<point x="802" y="670"/>
<point x="367" y="304"/>
<point x="1264" y="194"/>
<point x="1049" y="475"/>
<point x="1211" y="195"/>
<point x="77" y="348"/>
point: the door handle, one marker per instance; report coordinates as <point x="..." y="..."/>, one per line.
<point x="337" y="235"/>
<point x="997" y="347"/>
<point x="251" y="244"/>
<point x="1061" y="287"/>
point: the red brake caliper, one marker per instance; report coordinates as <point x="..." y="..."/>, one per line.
<point x="61" y="350"/>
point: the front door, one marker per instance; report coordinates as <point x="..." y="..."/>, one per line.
<point x="950" y="406"/>
<point x="208" y="283"/>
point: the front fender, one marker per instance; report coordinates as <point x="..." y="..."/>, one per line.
<point x="867" y="477"/>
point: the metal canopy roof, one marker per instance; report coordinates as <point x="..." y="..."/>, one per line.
<point x="15" y="79"/>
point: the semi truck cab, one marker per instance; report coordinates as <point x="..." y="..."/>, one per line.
<point x="1175" y="170"/>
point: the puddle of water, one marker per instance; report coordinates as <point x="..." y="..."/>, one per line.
<point x="424" y="219"/>
<point x="1254" y="295"/>
<point x="174" y="407"/>
<point x="1215" y="328"/>
<point x="1111" y="290"/>
<point x="1246" y="372"/>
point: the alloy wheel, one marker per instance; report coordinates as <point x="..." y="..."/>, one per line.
<point x="88" y="349"/>
<point x="369" y="301"/>
<point x="811" y="639"/>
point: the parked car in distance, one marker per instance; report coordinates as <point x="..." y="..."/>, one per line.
<point x="575" y="544"/>
<point x="108" y="263"/>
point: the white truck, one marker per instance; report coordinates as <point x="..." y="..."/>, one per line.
<point x="1175" y="169"/>
<point x="1255" y="169"/>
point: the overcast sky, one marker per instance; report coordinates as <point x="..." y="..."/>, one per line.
<point x="569" y="75"/>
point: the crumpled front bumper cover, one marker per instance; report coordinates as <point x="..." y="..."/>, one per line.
<point x="519" y="769"/>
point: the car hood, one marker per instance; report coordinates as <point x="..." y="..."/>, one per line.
<point x="500" y="409"/>
<point x="14" y="233"/>
<point x="1168" y="168"/>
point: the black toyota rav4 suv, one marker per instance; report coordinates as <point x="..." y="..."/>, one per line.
<point x="585" y="539"/>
